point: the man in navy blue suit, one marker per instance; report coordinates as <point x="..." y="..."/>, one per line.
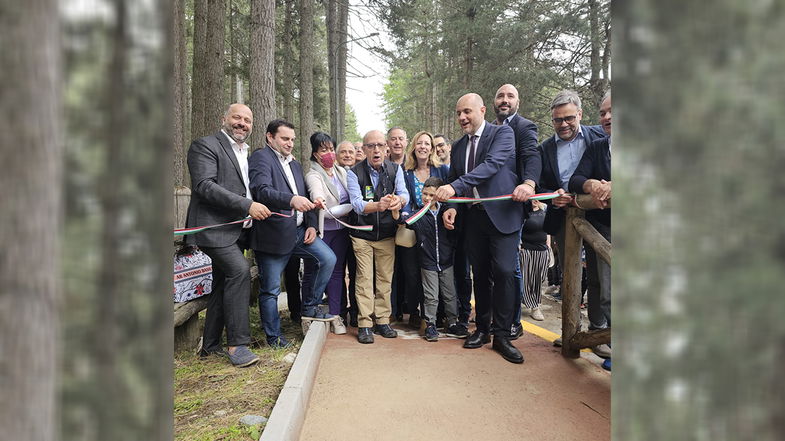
<point x="277" y="179"/>
<point x="483" y="164"/>
<point x="528" y="166"/>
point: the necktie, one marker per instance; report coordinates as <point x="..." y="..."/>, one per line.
<point x="473" y="140"/>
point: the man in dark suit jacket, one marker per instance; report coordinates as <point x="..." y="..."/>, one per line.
<point x="277" y="180"/>
<point x="528" y="166"/>
<point x="218" y="165"/>
<point x="593" y="176"/>
<point x="561" y="154"/>
<point x="483" y="164"/>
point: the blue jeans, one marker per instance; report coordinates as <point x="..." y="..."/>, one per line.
<point x="270" y="268"/>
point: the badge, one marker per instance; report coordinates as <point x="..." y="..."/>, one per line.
<point x="368" y="192"/>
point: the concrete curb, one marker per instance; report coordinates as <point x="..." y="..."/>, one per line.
<point x="286" y="419"/>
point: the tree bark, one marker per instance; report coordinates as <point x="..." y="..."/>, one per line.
<point x="306" y="79"/>
<point x="288" y="50"/>
<point x="262" y="67"/>
<point x="571" y="284"/>
<point x="180" y="100"/>
<point x="208" y="74"/>
<point x="343" y="48"/>
<point x="332" y="63"/>
<point x="30" y="213"/>
<point x="595" y="59"/>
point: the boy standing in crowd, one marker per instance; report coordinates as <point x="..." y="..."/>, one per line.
<point x="436" y="246"/>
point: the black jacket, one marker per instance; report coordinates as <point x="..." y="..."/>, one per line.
<point x="436" y="244"/>
<point x="595" y="164"/>
<point x="384" y="225"/>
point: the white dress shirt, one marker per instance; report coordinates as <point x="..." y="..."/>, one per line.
<point x="241" y="153"/>
<point x="478" y="134"/>
<point x="287" y="170"/>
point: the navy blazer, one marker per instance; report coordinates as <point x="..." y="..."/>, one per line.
<point x="408" y="177"/>
<point x="494" y="175"/>
<point x="269" y="186"/>
<point x="595" y="164"/>
<point x="549" y="179"/>
<point x="529" y="163"/>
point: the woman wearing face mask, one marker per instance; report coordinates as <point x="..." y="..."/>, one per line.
<point x="327" y="181"/>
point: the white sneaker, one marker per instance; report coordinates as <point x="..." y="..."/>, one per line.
<point x="537" y="314"/>
<point x="338" y="326"/>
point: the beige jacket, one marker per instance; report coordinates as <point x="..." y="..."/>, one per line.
<point x="321" y="186"/>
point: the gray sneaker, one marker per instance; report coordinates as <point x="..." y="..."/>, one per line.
<point x="243" y="357"/>
<point x="317" y="315"/>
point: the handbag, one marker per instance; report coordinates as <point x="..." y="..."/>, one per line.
<point x="405" y="237"/>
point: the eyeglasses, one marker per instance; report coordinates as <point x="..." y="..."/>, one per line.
<point x="375" y="146"/>
<point x="567" y="119"/>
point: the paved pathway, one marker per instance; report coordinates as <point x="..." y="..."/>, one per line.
<point x="410" y="389"/>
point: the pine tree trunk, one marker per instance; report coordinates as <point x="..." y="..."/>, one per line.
<point x="208" y="67"/>
<point x="343" y="48"/>
<point x="332" y="62"/>
<point x="306" y="79"/>
<point x="180" y="100"/>
<point x="30" y="215"/>
<point x="262" y="67"/>
<point x="288" y="50"/>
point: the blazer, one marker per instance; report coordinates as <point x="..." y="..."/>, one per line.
<point x="218" y="192"/>
<point x="529" y="163"/>
<point x="321" y="186"/>
<point x="495" y="174"/>
<point x="595" y="164"/>
<point x="408" y="177"/>
<point x="549" y="179"/>
<point x="269" y="186"/>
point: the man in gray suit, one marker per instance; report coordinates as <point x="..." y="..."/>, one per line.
<point x="219" y="181"/>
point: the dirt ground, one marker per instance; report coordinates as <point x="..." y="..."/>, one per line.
<point x="410" y="389"/>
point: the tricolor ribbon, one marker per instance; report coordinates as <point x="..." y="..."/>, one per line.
<point x="353" y="227"/>
<point x="461" y="200"/>
<point x="194" y="230"/>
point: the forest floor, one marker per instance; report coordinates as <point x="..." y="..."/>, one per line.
<point x="210" y="395"/>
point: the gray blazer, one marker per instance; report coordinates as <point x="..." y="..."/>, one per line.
<point x="217" y="191"/>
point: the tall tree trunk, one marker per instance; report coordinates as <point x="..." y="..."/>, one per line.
<point x="306" y="79"/>
<point x="180" y="99"/>
<point x="262" y="67"/>
<point x="30" y="213"/>
<point x="288" y="50"/>
<point x="595" y="34"/>
<point x="332" y="62"/>
<point x="207" y="86"/>
<point x="343" y="48"/>
<point x="233" y="55"/>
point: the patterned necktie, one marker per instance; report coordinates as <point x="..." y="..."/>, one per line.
<point x="473" y="140"/>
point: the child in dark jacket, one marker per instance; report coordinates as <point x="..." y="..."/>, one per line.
<point x="436" y="247"/>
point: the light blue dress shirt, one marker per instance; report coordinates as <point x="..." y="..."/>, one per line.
<point x="568" y="155"/>
<point x="356" y="196"/>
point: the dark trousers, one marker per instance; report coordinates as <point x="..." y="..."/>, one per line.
<point x="493" y="256"/>
<point x="228" y="304"/>
<point x="463" y="280"/>
<point x="291" y="280"/>
<point x="407" y="287"/>
<point x="598" y="285"/>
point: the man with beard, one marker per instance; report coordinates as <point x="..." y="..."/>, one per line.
<point x="527" y="164"/>
<point x="218" y="165"/>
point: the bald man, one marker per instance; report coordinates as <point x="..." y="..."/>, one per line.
<point x="376" y="189"/>
<point x="483" y="164"/>
<point x="220" y="193"/>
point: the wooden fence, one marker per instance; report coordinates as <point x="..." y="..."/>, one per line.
<point x="578" y="229"/>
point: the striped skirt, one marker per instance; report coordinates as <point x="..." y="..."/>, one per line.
<point x="534" y="264"/>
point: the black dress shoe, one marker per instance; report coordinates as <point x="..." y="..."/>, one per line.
<point x="385" y="331"/>
<point x="364" y="335"/>
<point x="476" y="340"/>
<point x="507" y="350"/>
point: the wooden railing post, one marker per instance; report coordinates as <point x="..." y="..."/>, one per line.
<point x="182" y="197"/>
<point x="571" y="284"/>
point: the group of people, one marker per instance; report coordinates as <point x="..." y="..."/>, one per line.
<point x="343" y="215"/>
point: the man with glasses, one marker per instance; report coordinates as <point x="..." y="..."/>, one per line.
<point x="443" y="148"/>
<point x="560" y="156"/>
<point x="376" y="189"/>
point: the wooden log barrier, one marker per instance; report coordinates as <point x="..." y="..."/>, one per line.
<point x="591" y="339"/>
<point x="593" y="238"/>
<point x="571" y="284"/>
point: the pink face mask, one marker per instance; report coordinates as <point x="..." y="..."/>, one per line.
<point x="328" y="159"/>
